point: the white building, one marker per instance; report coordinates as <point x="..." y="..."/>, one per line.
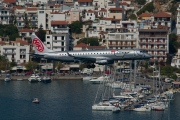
<point x="58" y="42"/>
<point x="59" y="26"/>
<point x="98" y="4"/>
<point x="17" y="51"/>
<point x="42" y="19"/>
<point x="176" y="60"/>
<point x="178" y="20"/>
<point x="4" y="15"/>
<point x="90" y="15"/>
<point x="125" y="37"/>
<point x="26" y="33"/>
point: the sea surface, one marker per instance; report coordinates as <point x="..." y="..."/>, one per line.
<point x="66" y="100"/>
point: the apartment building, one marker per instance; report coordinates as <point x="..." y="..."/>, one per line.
<point x="124" y="37"/>
<point x="85" y="4"/>
<point x="163" y="19"/>
<point x="4" y="15"/>
<point x="178" y="20"/>
<point x="59" y="26"/>
<point x="155" y="42"/>
<point x="98" y="4"/>
<point x="26" y="33"/>
<point x="90" y="15"/>
<point x="72" y="15"/>
<point x="29" y="14"/>
<point x="117" y="13"/>
<point x="16" y="51"/>
<point x="58" y="42"/>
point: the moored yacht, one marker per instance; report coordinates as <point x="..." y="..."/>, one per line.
<point x="46" y="79"/>
<point x="105" y="106"/>
<point x="34" y="78"/>
<point x="100" y="79"/>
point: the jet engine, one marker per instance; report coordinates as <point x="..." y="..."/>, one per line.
<point x="104" y="62"/>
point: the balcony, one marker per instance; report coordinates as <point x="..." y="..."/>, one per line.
<point x="9" y="53"/>
<point x="154" y="48"/>
<point x="118" y="45"/>
<point x="150" y="36"/>
<point x="151" y="42"/>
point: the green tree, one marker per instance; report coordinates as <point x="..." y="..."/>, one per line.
<point x="82" y="66"/>
<point x="140" y="2"/>
<point x="31" y="65"/>
<point x="133" y="17"/>
<point x="59" y="65"/>
<point x="9" y="30"/>
<point x="76" y="27"/>
<point x="4" y="63"/>
<point x="173" y="44"/>
<point x="148" y="7"/>
<point x="93" y="41"/>
<point x="12" y="64"/>
<point x="169" y="71"/>
<point x="41" y="33"/>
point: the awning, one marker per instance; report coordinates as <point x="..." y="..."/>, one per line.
<point x="65" y="68"/>
<point x="46" y="67"/>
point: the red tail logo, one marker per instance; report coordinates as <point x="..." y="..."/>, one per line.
<point x="38" y="44"/>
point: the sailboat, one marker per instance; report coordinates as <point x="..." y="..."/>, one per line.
<point x="105" y="104"/>
<point x="46" y="78"/>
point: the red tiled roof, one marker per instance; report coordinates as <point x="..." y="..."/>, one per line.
<point x="18" y="7"/>
<point x="103" y="10"/>
<point x="85" y="0"/>
<point x="2" y="43"/>
<point x="9" y="1"/>
<point x="56" y="12"/>
<point x="91" y="11"/>
<point x="26" y="30"/>
<point x="32" y="9"/>
<point x="22" y="42"/>
<point x="116" y="9"/>
<point x="59" y="22"/>
<point x="124" y="3"/>
<point x="81" y="45"/>
<point x="145" y="15"/>
<point x="162" y="14"/>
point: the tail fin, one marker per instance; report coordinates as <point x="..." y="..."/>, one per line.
<point x="38" y="45"/>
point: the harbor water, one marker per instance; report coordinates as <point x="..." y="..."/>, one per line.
<point x="66" y="100"/>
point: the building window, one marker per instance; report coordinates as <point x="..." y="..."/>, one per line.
<point x="48" y="36"/>
<point x="55" y="37"/>
<point x="62" y="43"/>
<point x="62" y="49"/>
<point x="41" y="11"/>
<point x="48" y="42"/>
<point x="62" y="38"/>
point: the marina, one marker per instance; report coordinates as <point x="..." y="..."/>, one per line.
<point x="56" y="100"/>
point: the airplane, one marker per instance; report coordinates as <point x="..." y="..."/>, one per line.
<point x="101" y="57"/>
